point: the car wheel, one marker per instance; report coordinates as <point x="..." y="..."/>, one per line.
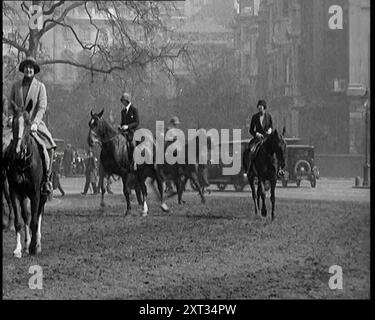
<point x="313" y="181"/>
<point x="221" y="186"/>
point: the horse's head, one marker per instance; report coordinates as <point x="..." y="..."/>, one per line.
<point x="96" y="128"/>
<point x="279" y="146"/>
<point x="21" y="132"/>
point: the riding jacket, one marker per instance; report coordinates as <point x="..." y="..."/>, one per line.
<point x="37" y="94"/>
<point x="257" y="126"/>
<point x="131" y="119"/>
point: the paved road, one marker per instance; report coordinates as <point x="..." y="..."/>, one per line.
<point x="326" y="189"/>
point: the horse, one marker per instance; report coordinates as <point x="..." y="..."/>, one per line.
<point x="8" y="216"/>
<point x="264" y="169"/>
<point x="25" y="176"/>
<point x="180" y="173"/>
<point x="115" y="160"/>
<point x="8" y="219"/>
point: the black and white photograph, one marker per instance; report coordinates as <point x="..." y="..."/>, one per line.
<point x="191" y="150"/>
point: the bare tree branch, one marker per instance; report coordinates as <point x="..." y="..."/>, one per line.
<point x="53" y="23"/>
<point x="25" y="8"/>
<point x="80" y="65"/>
<point x="14" y="44"/>
<point x="53" y="7"/>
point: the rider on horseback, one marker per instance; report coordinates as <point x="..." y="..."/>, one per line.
<point x="129" y="123"/>
<point x="30" y="89"/>
<point x="261" y="125"/>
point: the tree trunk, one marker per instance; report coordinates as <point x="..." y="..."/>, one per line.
<point x="34" y="38"/>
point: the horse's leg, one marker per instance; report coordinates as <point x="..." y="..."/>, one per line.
<point x="101" y="183"/>
<point x="17" y="224"/>
<point x="141" y="192"/>
<point x="125" y="191"/>
<point x="144" y="195"/>
<point x="183" y="183"/>
<point x="259" y="191"/>
<point x="34" y="204"/>
<point x="253" y="191"/>
<point x="263" y="196"/>
<point x="177" y="182"/>
<point x="27" y="219"/>
<point x="42" y="202"/>
<point x="273" y="186"/>
<point x="9" y="202"/>
<point x="194" y="179"/>
<point x="159" y="182"/>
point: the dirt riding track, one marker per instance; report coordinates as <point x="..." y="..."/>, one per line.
<point x="218" y="250"/>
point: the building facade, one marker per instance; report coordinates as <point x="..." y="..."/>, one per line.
<point x="311" y="64"/>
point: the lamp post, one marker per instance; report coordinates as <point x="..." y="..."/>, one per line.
<point x="366" y="167"/>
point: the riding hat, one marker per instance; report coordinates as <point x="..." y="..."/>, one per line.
<point x="175" y="120"/>
<point x="29" y="61"/>
<point x="262" y="103"/>
<point x="126" y="96"/>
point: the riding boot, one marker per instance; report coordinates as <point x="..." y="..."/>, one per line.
<point x="47" y="187"/>
<point x="133" y="164"/>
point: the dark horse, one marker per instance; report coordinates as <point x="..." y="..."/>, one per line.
<point x="265" y="168"/>
<point x="8" y="216"/>
<point x="180" y="173"/>
<point x="8" y="219"/>
<point x="25" y="176"/>
<point x="115" y="160"/>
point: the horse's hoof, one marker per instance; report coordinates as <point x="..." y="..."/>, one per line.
<point x="127" y="212"/>
<point x="144" y="214"/>
<point x="264" y="213"/>
<point x="164" y="207"/>
<point x="17" y="254"/>
<point x="102" y="204"/>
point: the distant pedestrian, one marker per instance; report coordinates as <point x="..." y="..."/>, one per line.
<point x="91" y="173"/>
<point x="56" y="175"/>
<point x="68" y="160"/>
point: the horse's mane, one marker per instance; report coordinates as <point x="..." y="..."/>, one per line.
<point x="108" y="129"/>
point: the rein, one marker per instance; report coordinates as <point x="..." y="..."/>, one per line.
<point x="25" y="160"/>
<point x="103" y="131"/>
<point x="109" y="139"/>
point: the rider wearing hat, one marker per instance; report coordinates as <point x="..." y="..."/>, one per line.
<point x="30" y="89"/>
<point x="129" y="122"/>
<point x="260" y="126"/>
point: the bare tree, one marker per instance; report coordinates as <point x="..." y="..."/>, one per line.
<point x="138" y="34"/>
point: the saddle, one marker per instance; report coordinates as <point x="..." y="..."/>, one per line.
<point x="254" y="146"/>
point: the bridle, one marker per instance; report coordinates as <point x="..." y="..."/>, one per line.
<point x="100" y="128"/>
<point x="25" y="158"/>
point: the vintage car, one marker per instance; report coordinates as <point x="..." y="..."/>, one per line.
<point x="300" y="163"/>
<point x="215" y="171"/>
